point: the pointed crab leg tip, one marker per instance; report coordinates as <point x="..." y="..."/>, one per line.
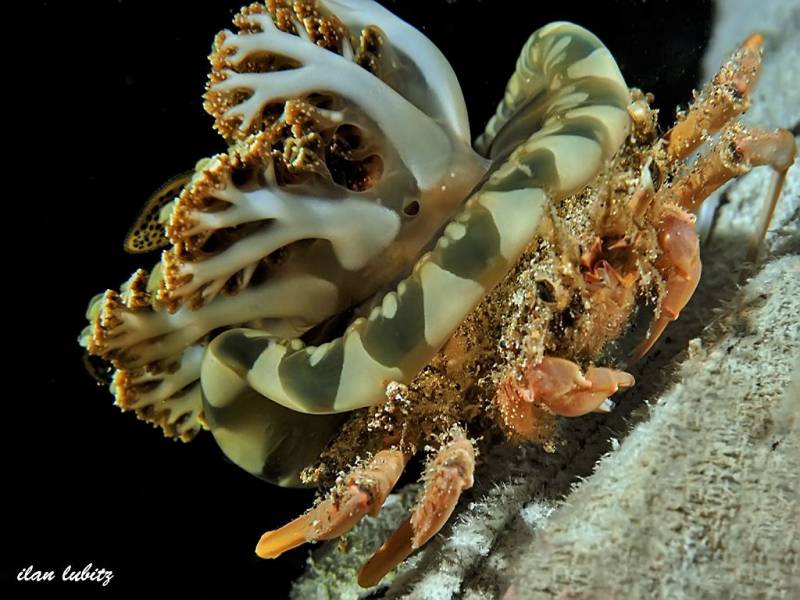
<point x="393" y="551"/>
<point x="274" y="543"/>
<point x="638" y="354"/>
<point x="655" y="333"/>
<point x="754" y="40"/>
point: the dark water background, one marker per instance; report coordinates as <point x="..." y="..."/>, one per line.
<point x="109" y="106"/>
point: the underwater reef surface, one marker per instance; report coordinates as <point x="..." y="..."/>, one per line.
<point x="688" y="489"/>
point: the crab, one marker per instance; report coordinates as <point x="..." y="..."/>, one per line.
<point x="353" y="281"/>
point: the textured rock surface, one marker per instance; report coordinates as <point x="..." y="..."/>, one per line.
<point x="689" y="489"/>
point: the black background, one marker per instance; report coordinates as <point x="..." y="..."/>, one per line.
<point x="105" y="104"/>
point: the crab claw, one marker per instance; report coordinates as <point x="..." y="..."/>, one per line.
<point x="363" y="492"/>
<point x="449" y="474"/>
<point x="522" y="418"/>
<point x="680" y="266"/>
<point x="559" y="384"/>
<point x="605" y="383"/>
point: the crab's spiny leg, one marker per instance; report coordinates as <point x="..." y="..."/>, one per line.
<point x="447" y="476"/>
<point x="737" y="151"/>
<point x="362" y="493"/>
<point x="727" y="96"/>
<point x="583" y="121"/>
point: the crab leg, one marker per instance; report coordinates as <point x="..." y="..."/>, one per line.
<point x="449" y="474"/>
<point x="736" y="153"/>
<point x="680" y="267"/>
<point x="363" y="493"/>
<point x="727" y="96"/>
<point x="778" y="150"/>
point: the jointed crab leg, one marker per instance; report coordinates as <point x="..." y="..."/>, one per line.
<point x="778" y="150"/>
<point x="680" y="267"/>
<point x="726" y="97"/>
<point x="449" y="474"/>
<point x="556" y="382"/>
<point x="736" y="153"/>
<point x="723" y="99"/>
<point x="363" y="493"/>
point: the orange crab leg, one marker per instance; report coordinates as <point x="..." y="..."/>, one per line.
<point x="736" y="153"/>
<point x="393" y="551"/>
<point x="364" y="492"/>
<point x="778" y="150"/>
<point x="680" y="266"/>
<point x="726" y="97"/>
<point x="447" y="476"/>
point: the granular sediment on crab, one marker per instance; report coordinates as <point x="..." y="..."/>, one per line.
<point x="352" y="282"/>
